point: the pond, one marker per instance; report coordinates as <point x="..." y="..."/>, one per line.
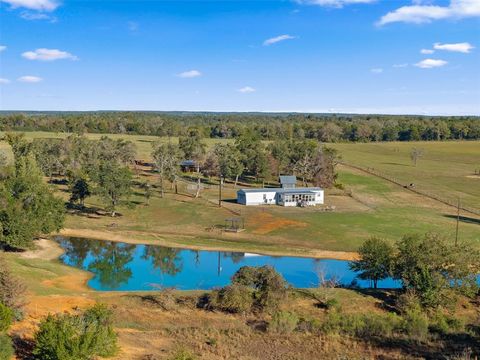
<point x="127" y="267"/>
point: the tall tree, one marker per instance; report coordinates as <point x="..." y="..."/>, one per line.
<point x="230" y="161"/>
<point x="375" y="262"/>
<point x="323" y="167"/>
<point x="166" y="157"/>
<point x="113" y="183"/>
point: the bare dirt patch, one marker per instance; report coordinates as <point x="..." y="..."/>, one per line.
<point x="264" y="223"/>
<point x="45" y="249"/>
<point x="40" y="306"/>
<point x="77" y="282"/>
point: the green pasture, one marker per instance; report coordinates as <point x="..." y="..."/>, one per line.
<point x="446" y="169"/>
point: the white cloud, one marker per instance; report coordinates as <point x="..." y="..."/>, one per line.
<point x="277" y="39"/>
<point x="431" y="63"/>
<point x="404" y="65"/>
<point x="427" y="51"/>
<point x="335" y="3"/>
<point x="4" y="81"/>
<point x="48" y="55"/>
<point x="2" y="48"/>
<point x="190" y="74"/>
<point x="27" y="15"/>
<point x="376" y="70"/>
<point x="464" y="47"/>
<point x="39" y="5"/>
<point x="247" y="90"/>
<point x="418" y="14"/>
<point x="30" y="79"/>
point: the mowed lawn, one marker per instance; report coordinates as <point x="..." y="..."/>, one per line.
<point x="446" y="169"/>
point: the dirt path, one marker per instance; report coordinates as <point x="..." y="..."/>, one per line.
<point x="132" y="237"/>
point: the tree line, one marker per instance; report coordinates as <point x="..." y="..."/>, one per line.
<point x="323" y="127"/>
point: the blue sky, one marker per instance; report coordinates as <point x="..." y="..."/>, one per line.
<point x="358" y="56"/>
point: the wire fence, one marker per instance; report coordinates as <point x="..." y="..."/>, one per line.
<point x="413" y="188"/>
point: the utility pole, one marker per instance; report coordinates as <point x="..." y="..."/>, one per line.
<point x="458" y="221"/>
<point x="220" y="192"/>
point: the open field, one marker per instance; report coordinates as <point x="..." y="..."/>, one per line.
<point x="446" y="169"/>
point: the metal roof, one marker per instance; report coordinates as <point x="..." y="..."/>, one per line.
<point x="282" y="190"/>
<point x="288" y="179"/>
<point x="188" y="163"/>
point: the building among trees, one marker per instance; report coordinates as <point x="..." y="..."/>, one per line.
<point x="287" y="195"/>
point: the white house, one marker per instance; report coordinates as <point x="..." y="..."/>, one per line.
<point x="281" y="196"/>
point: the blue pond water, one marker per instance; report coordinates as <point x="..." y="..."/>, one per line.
<point x="120" y="266"/>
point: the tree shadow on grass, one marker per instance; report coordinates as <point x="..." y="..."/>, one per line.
<point x="23" y="348"/>
<point x="396" y="164"/>
<point x="464" y="219"/>
<point x="445" y="346"/>
<point x="387" y="297"/>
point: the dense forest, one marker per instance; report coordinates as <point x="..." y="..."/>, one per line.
<point x="269" y="126"/>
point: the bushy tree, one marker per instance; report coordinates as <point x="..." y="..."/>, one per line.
<point x="192" y="146"/>
<point x="269" y="287"/>
<point x="50" y="156"/>
<point x="79" y="187"/>
<point x="433" y="267"/>
<point x="375" y="262"/>
<point x="76" y="336"/>
<point x="29" y="207"/>
<point x="113" y="184"/>
<point x="230" y="161"/>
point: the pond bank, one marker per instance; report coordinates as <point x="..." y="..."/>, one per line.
<point x="194" y="243"/>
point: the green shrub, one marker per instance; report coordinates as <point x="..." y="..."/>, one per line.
<point x="6" y="347"/>
<point x="76" y="337"/>
<point x="182" y="354"/>
<point x="283" y="322"/>
<point x="99" y="317"/>
<point x="444" y="324"/>
<point x="268" y="285"/>
<point x="415" y="324"/>
<point x="361" y="325"/>
<point x="332" y="304"/>
<point x="309" y="325"/>
<point x="233" y="298"/>
<point x="6" y="317"/>
<point x="376" y="325"/>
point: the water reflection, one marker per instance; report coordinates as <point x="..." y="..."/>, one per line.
<point x="167" y="260"/>
<point x="120" y="266"/>
<point x="111" y="264"/>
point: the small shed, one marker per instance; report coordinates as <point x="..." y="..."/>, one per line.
<point x="288" y="181"/>
<point x="188" y="166"/>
